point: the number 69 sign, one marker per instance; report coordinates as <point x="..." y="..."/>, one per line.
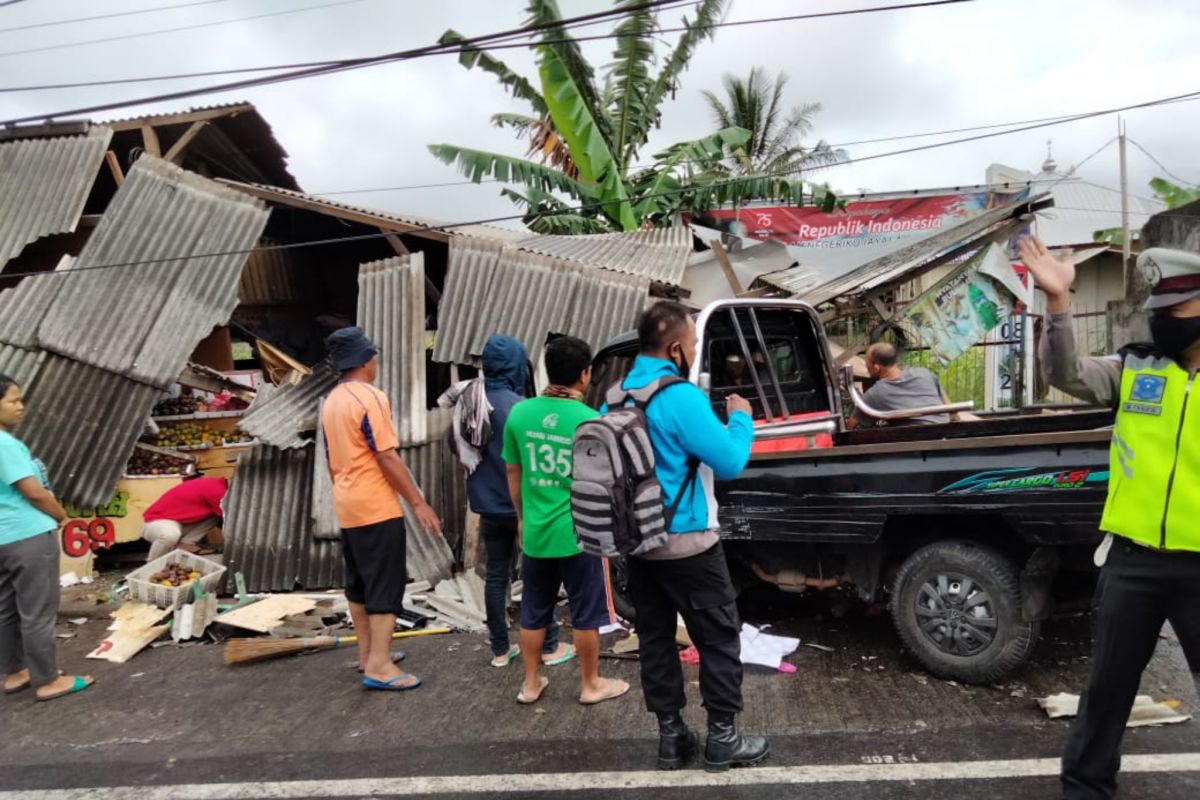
<point x="81" y="535"/>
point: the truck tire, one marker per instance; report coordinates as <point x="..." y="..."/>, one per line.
<point x="957" y="608"/>
<point x="618" y="573"/>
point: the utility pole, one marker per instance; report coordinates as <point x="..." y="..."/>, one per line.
<point x="1125" y="235"/>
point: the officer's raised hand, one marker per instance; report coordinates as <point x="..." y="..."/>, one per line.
<point x="1054" y="276"/>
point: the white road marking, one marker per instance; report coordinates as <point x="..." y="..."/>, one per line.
<point x="564" y="782"/>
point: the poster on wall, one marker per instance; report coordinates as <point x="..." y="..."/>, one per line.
<point x="963" y="307"/>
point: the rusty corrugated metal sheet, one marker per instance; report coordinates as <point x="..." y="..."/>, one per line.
<point x="21" y="365"/>
<point x="23" y="307"/>
<point x="44" y="184"/>
<point x="143" y="320"/>
<point x="391" y="311"/>
<point x="660" y="254"/>
<point x="279" y="415"/>
<point x="495" y="289"/>
<point x="83" y="422"/>
<point x="275" y="277"/>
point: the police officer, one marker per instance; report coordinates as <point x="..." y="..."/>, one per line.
<point x="1150" y="556"/>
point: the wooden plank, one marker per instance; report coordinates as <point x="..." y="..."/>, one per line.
<point x="267" y="613"/>
<point x="114" y="167"/>
<point x="135" y="627"/>
<point x="158" y="120"/>
<point x="727" y="267"/>
<point x="175" y="154"/>
<point x="150" y="141"/>
<point x="306" y="203"/>
<point x="395" y="242"/>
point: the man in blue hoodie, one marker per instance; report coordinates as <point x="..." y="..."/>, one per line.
<point x="688" y="576"/>
<point x="505" y="367"/>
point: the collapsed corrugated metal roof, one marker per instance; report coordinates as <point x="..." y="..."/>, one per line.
<point x="269" y="529"/>
<point x="44" y="184"/>
<point x="23" y="307"/>
<point x="281" y="415"/>
<point x="83" y="422"/>
<point x="274" y="276"/>
<point x="491" y="288"/>
<point x="895" y="266"/>
<point x="20" y="364"/>
<point x="161" y="227"/>
<point x="391" y="311"/>
<point x="660" y="254"/>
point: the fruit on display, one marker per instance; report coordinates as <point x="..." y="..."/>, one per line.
<point x="225" y="401"/>
<point x="174" y="575"/>
<point x="146" y="463"/>
<point x="177" y="406"/>
<point x="238" y="436"/>
<point x="188" y="434"/>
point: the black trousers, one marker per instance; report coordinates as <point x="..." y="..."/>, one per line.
<point x="699" y="589"/>
<point x="1139" y="589"/>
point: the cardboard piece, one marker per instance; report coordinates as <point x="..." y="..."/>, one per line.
<point x="135" y="627"/>
<point x="1145" y="710"/>
<point x="267" y="613"/>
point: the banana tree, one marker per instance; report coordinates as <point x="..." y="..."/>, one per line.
<point x="584" y="138"/>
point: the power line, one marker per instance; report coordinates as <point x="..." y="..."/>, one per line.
<point x="472" y="44"/>
<point x="108" y="16"/>
<point x="444" y="227"/>
<point x="1166" y="171"/>
<point x="197" y="26"/>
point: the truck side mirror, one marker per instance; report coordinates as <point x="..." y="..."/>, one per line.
<point x="706" y="382"/>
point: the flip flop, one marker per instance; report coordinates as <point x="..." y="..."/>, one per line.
<point x="78" y="685"/>
<point x="543" y="682"/>
<point x="616" y="688"/>
<point x="25" y="685"/>
<point x="570" y="654"/>
<point x="397" y="657"/>
<point x="507" y="658"/>
<point x="392" y="685"/>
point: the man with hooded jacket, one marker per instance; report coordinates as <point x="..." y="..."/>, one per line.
<point x="1150" y="556"/>
<point x="505" y="371"/>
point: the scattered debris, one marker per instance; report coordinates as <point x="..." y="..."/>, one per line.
<point x="1145" y="710"/>
<point x="628" y="645"/>
<point x="267" y="613"/>
<point x="823" y="648"/>
<point x="78" y="621"/>
<point x="136" y="626"/>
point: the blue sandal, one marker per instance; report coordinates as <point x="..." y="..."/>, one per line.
<point x="80" y="683"/>
<point x="397" y="657"/>
<point x="392" y="685"/>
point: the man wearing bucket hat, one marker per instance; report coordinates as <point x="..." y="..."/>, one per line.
<point x="1150" y="556"/>
<point x="369" y="478"/>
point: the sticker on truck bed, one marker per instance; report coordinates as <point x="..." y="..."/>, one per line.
<point x="1019" y="479"/>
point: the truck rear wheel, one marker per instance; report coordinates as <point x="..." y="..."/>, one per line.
<point x="957" y="608"/>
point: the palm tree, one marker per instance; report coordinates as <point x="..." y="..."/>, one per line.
<point x="774" y="146"/>
<point x="585" y="135"/>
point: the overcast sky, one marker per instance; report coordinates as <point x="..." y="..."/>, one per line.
<point x="877" y="75"/>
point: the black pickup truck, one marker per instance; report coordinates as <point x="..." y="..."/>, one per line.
<point x="964" y="528"/>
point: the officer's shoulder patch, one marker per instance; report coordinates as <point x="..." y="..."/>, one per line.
<point x="1148" y="389"/>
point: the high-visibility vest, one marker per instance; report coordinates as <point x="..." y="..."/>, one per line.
<point x="1154" y="462"/>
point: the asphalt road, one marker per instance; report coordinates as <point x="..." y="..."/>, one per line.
<point x="860" y="722"/>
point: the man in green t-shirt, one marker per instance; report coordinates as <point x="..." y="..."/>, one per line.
<point x="537" y="450"/>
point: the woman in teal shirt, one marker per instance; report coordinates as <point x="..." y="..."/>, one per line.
<point x="29" y="518"/>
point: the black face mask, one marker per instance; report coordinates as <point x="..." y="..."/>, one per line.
<point x="1174" y="335"/>
<point x="684" y="367"/>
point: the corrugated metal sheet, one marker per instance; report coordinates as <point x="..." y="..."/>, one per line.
<point x="44" y="184"/>
<point x="23" y="307"/>
<point x="493" y="289"/>
<point x="893" y="266"/>
<point x="83" y="422"/>
<point x="322" y="513"/>
<point x="21" y="365"/>
<point x="660" y="254"/>
<point x="268" y="532"/>
<point x="143" y="320"/>
<point x="437" y="473"/>
<point x="391" y="311"/>
<point x="279" y="414"/>
<point x="275" y="277"/>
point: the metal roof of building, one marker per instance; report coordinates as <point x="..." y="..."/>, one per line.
<point x="83" y="421"/>
<point x="660" y="254"/>
<point x="493" y="288"/>
<point x="144" y="318"/>
<point x="44" y="184"/>
<point x="281" y="415"/>
<point x="391" y="311"/>
<point x="23" y="307"/>
<point x="20" y="364"/>
<point x="893" y="266"/>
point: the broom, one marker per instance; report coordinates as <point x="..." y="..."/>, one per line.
<point x="250" y="651"/>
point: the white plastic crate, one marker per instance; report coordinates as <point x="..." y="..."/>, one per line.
<point x="143" y="590"/>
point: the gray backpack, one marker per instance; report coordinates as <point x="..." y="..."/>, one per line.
<point x="616" y="499"/>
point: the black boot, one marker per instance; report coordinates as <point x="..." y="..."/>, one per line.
<point x="727" y="748"/>
<point x="677" y="743"/>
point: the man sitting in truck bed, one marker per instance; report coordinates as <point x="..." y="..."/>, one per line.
<point x="899" y="389"/>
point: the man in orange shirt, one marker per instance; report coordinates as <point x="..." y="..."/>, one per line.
<point x="368" y="474"/>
